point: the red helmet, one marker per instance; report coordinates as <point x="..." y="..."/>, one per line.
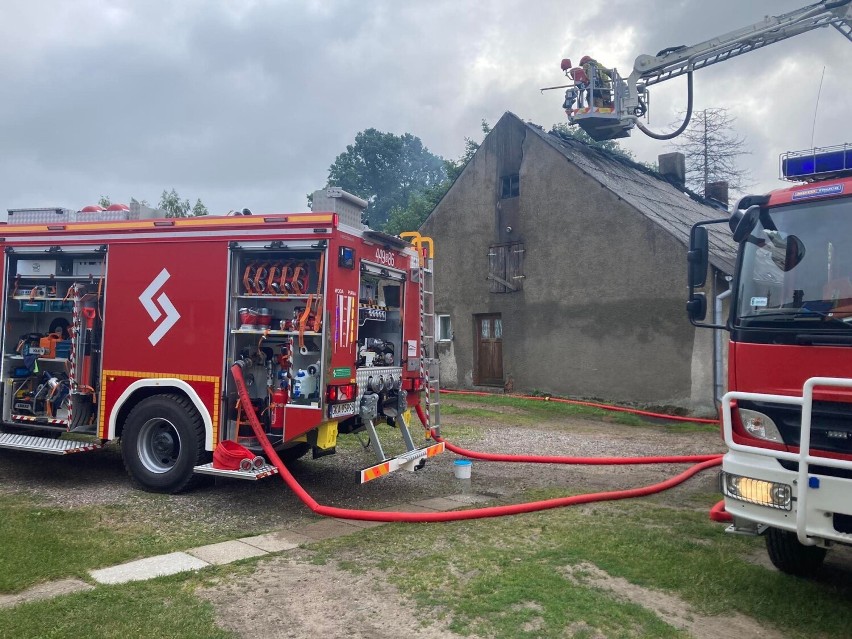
<point x="584" y="59"/>
<point x="566" y="64"/>
<point x="578" y="75"/>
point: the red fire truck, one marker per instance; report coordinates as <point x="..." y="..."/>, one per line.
<point x="126" y="329"/>
<point x="787" y="420"/>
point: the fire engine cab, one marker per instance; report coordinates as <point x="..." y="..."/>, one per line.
<point x="121" y="327"/>
<point x="787" y="418"/>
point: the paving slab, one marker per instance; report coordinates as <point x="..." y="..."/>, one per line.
<point x="148" y="568"/>
<point x="327" y="528"/>
<point x="438" y="503"/>
<point x="45" y="591"/>
<point x="225" y="552"/>
<point x="276" y="541"/>
<point x="361" y="523"/>
<point x="471" y="498"/>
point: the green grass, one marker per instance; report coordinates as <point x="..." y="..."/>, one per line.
<point x="533" y="411"/>
<point x="502" y="577"/>
<point x="494" y="576"/>
<point x="159" y="609"/>
<point x="43" y="542"/>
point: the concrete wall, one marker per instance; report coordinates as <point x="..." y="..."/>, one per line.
<point x="601" y="313"/>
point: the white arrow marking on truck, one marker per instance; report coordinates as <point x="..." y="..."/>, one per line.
<point x="147" y="299"/>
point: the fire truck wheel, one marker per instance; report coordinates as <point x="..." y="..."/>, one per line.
<point x="295" y="452"/>
<point x="163" y="440"/>
<point x="790" y="556"/>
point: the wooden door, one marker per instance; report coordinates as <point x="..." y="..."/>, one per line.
<point x="489" y="350"/>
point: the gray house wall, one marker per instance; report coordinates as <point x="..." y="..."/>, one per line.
<point x="601" y="313"/>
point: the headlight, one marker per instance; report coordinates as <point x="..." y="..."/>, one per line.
<point x="757" y="491"/>
<point x="760" y="425"/>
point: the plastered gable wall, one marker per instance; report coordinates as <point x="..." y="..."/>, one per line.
<point x="462" y="226"/>
<point x="601" y="312"/>
<point x="604" y="290"/>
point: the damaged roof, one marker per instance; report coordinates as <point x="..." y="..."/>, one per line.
<point x="673" y="208"/>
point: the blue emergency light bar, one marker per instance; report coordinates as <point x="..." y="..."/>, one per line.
<point x="804" y="166"/>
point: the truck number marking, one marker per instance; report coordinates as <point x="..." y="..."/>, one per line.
<point x="147" y="299"/>
<point x="384" y="257"/>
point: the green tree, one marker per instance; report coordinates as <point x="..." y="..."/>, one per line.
<point x="386" y="170"/>
<point x="199" y="209"/>
<point x="419" y="205"/>
<point x="171" y="203"/>
<point x="104" y="201"/>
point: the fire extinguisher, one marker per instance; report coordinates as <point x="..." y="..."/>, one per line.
<point x="279" y="401"/>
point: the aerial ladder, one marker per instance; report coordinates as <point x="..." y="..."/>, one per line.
<point x="628" y="99"/>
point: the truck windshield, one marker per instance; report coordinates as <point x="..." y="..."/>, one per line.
<point x="797" y="268"/>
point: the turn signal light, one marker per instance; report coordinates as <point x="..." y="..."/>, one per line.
<point x="341" y="393"/>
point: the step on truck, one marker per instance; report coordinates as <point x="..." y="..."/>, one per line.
<point x="121" y="327"/>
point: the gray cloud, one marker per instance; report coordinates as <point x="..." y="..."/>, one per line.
<point x="247" y="103"/>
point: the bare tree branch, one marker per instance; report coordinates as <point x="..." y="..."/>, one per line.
<point x="712" y="151"/>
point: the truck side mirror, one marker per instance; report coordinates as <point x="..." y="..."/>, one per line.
<point x="697" y="257"/>
<point x="696" y="307"/>
<point x="746" y="223"/>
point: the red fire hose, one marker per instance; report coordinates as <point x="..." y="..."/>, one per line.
<point x="586" y="461"/>
<point x="718" y="513"/>
<point x="577" y="402"/>
<point x="476" y="513"/>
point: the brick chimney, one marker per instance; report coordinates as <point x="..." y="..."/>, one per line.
<point x="672" y="166"/>
<point x="718" y="192"/>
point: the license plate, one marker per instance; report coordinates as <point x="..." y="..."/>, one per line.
<point x="341" y="410"/>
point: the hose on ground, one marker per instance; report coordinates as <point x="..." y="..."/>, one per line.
<point x="579" y="461"/>
<point x="718" y="513"/>
<point x="577" y="402"/>
<point x="475" y="513"/>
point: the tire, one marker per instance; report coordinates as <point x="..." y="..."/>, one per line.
<point x="790" y="556"/>
<point x="163" y="439"/>
<point x="294" y="452"/>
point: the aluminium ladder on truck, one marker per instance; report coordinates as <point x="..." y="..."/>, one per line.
<point x="428" y="354"/>
<point x="429" y="367"/>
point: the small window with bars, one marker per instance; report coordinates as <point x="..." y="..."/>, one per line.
<point x="506" y="267"/>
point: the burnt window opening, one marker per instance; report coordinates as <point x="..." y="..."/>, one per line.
<point x="510" y="186"/>
<point x="506" y="267"/>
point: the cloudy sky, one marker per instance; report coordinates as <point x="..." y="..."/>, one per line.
<point x="247" y="102"/>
